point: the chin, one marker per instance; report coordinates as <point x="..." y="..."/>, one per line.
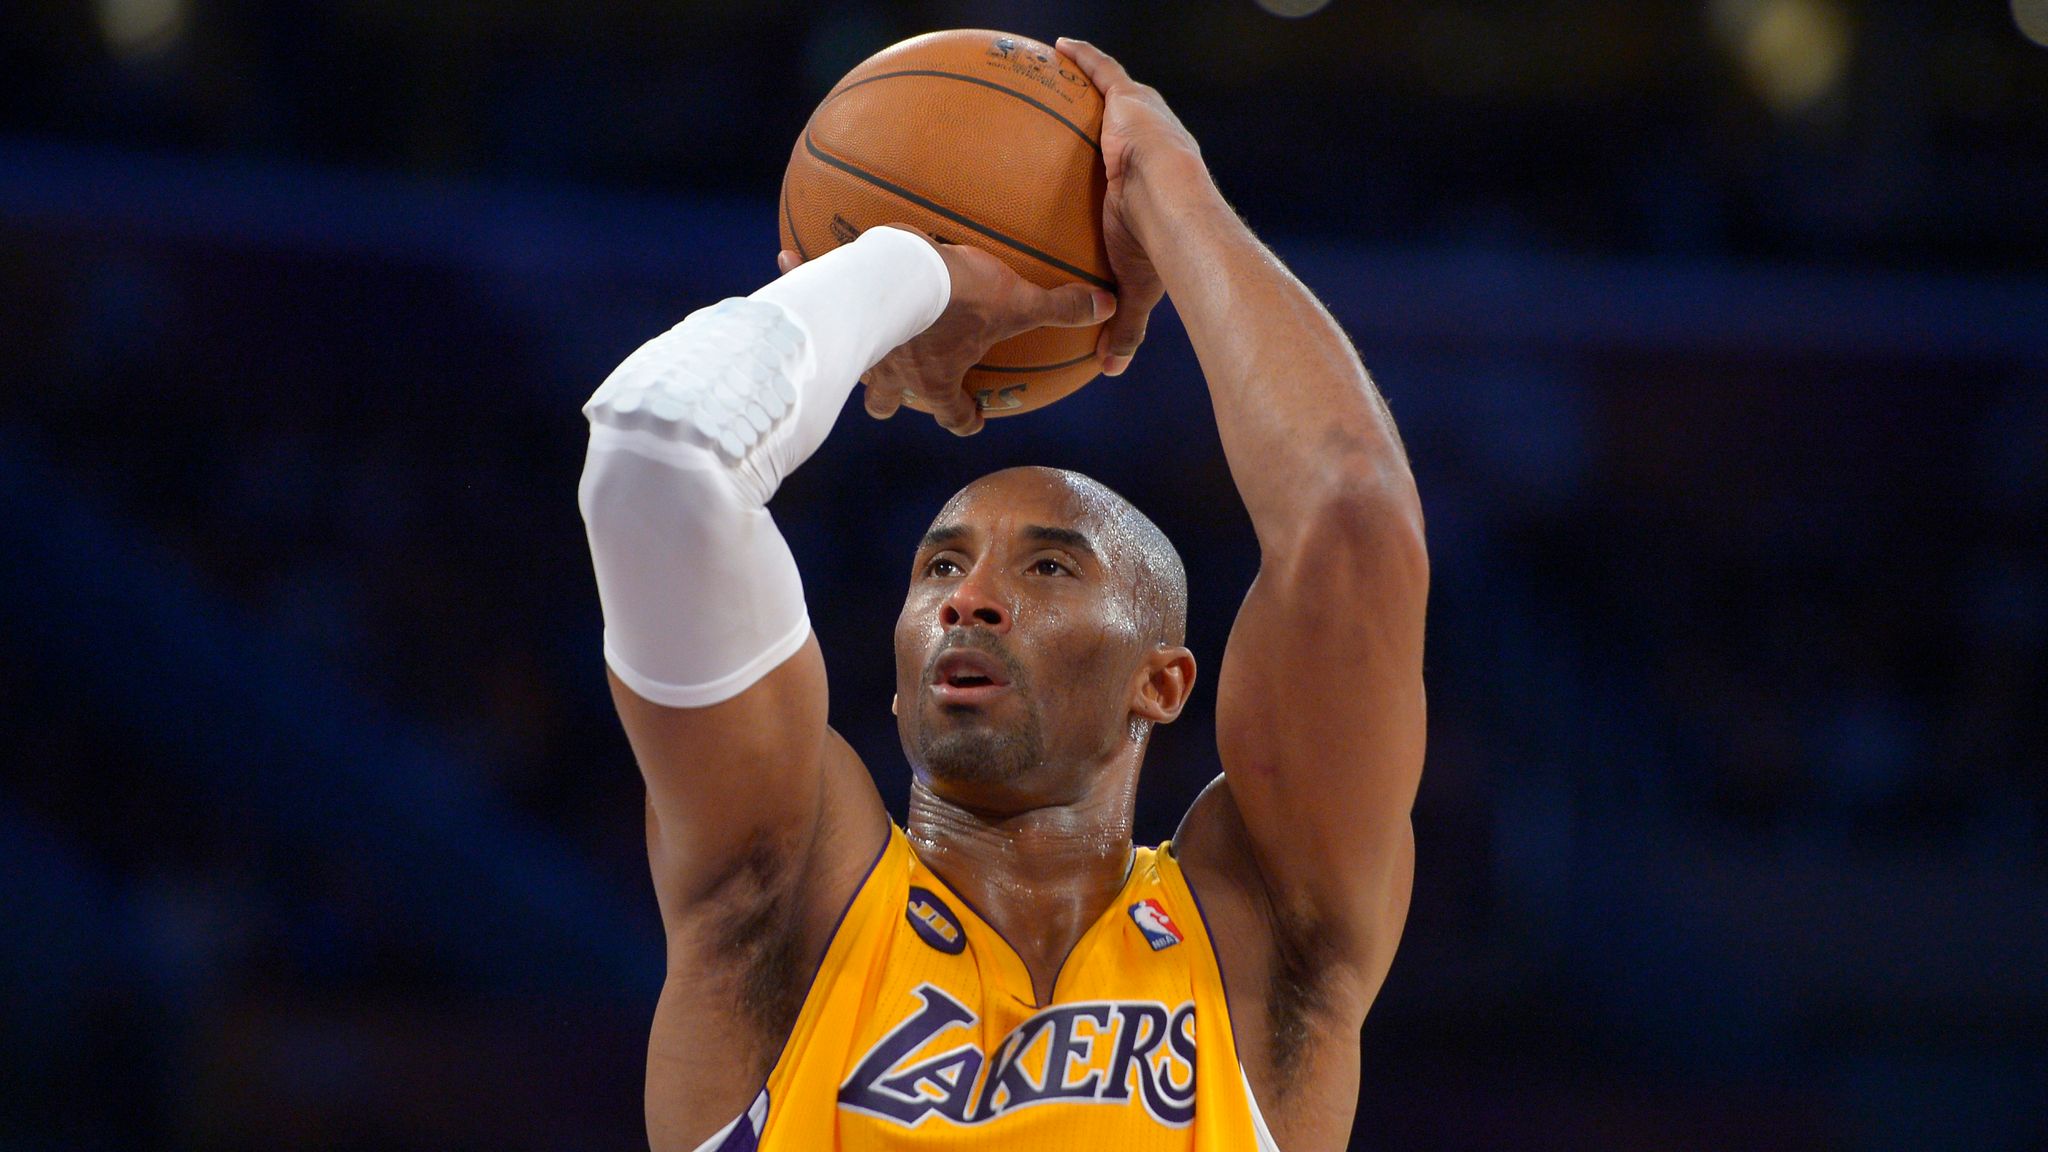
<point x="978" y="755"/>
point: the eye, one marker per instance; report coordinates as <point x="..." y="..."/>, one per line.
<point x="1047" y="566"/>
<point x="942" y="566"/>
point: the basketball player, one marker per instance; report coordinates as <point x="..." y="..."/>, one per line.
<point x="1009" y="971"/>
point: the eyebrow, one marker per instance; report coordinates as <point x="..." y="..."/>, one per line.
<point x="943" y="536"/>
<point x="1063" y="536"/>
<point x="948" y="535"/>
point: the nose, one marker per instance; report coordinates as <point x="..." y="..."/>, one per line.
<point x="974" y="603"/>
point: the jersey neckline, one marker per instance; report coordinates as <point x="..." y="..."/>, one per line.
<point x="1010" y="955"/>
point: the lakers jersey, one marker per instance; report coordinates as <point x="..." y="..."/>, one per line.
<point x="921" y="1031"/>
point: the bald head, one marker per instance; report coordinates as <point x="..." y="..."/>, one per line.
<point x="1128" y="540"/>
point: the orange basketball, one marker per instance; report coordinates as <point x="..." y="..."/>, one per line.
<point x="978" y="138"/>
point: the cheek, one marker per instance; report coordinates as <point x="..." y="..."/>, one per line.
<point x="916" y="629"/>
<point x="1095" y="655"/>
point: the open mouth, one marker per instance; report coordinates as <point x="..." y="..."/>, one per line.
<point x="966" y="676"/>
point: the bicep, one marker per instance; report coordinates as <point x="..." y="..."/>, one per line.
<point x="1321" y="724"/>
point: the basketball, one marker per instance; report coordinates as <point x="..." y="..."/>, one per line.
<point x="978" y="138"/>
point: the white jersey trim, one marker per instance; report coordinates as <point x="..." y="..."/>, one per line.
<point x="744" y="1133"/>
<point x="1266" y="1143"/>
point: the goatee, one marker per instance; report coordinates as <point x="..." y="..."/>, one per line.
<point x="981" y="755"/>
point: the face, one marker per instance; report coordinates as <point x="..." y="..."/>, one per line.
<point x="1019" y="644"/>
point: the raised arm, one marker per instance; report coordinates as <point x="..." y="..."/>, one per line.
<point x="1320" y="713"/>
<point x="713" y="666"/>
<point x="760" y="819"/>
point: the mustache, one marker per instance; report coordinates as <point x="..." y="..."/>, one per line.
<point x="979" y="640"/>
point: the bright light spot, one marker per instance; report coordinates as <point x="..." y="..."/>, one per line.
<point x="1293" y="8"/>
<point x="2032" y="17"/>
<point x="140" y="27"/>
<point x="1794" y="52"/>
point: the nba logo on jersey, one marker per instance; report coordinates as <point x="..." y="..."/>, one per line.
<point x="1157" y="926"/>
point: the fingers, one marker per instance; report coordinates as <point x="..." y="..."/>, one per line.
<point x="880" y="403"/>
<point x="886" y="391"/>
<point x="1067" y="306"/>
<point x="1116" y="363"/>
<point x="956" y="412"/>
<point x="1100" y="67"/>
<point x="786" y="260"/>
<point x="1126" y="330"/>
<point x="947" y="401"/>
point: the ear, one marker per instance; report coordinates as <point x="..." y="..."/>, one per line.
<point x="1163" y="683"/>
<point x="892" y="706"/>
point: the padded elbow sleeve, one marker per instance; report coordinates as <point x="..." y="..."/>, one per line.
<point x="692" y="434"/>
<point x="701" y="595"/>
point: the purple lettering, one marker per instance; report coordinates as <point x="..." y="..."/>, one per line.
<point x="953" y="1074"/>
<point x="1144" y="1026"/>
<point x="1179" y="1098"/>
<point x="1061" y="1047"/>
<point x="1150" y="1044"/>
<point x="1006" y="1074"/>
<point x="872" y="1089"/>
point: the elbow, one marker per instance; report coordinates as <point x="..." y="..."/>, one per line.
<point x="608" y="489"/>
<point x="1361" y="531"/>
<point x="622" y="484"/>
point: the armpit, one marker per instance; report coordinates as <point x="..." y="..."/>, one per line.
<point x="1297" y="991"/>
<point x="756" y="930"/>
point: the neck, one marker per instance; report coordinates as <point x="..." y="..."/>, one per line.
<point x="1040" y="875"/>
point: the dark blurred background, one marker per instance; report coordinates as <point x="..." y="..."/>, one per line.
<point x="1717" y="329"/>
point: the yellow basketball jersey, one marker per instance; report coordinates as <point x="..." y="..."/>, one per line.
<point x="921" y="1032"/>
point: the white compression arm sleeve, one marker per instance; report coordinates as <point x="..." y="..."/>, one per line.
<point x="692" y="434"/>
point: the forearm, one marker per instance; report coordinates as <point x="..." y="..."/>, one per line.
<point x="1301" y="423"/>
<point x="691" y="436"/>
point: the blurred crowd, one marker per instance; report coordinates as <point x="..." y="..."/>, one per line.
<point x="1734" y="830"/>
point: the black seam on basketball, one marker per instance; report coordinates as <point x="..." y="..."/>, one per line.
<point x="965" y="222"/>
<point x="1048" y="109"/>
<point x="1035" y="367"/>
<point x="791" y="219"/>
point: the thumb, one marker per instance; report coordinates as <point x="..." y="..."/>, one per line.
<point x="1069" y="306"/>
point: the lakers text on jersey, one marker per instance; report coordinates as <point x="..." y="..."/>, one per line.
<point x="921" y="1030"/>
